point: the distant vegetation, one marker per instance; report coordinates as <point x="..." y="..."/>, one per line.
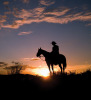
<point x="54" y="82"/>
<point x="15" y="68"/>
<point x="60" y="85"/>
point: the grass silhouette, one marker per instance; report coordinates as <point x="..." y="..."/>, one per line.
<point x="54" y="83"/>
<point x="61" y="86"/>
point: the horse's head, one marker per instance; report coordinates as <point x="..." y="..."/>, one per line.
<point x="39" y="52"/>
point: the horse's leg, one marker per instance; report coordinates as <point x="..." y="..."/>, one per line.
<point x="60" y="67"/>
<point x="49" y="67"/>
<point x="63" y="69"/>
<point x="52" y="68"/>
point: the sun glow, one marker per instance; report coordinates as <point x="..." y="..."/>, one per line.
<point x="42" y="72"/>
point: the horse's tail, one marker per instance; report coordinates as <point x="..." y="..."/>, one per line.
<point x="64" y="63"/>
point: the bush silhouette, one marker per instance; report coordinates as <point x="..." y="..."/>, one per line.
<point x="16" y="68"/>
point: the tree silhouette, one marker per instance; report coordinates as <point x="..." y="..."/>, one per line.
<point x="3" y="64"/>
<point x="16" y="68"/>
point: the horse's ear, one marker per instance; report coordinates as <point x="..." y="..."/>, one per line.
<point x="40" y="47"/>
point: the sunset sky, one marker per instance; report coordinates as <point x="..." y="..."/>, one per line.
<point x="26" y="25"/>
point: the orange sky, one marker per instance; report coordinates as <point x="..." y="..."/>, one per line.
<point x="43" y="70"/>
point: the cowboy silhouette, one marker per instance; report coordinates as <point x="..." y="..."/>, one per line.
<point x="55" y="51"/>
<point x="55" y="48"/>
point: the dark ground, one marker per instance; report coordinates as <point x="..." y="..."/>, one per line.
<point x="58" y="85"/>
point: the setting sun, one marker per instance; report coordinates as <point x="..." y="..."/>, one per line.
<point x="42" y="72"/>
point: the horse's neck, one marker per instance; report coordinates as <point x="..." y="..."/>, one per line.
<point x="45" y="53"/>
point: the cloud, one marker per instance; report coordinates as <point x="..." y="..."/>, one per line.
<point x="25" y="1"/>
<point x="3" y="18"/>
<point x="57" y="12"/>
<point x="25" y="33"/>
<point x="25" y="17"/>
<point x="6" y="2"/>
<point x="13" y="25"/>
<point x="25" y="59"/>
<point x="32" y="13"/>
<point x="30" y="59"/>
<point x="33" y="59"/>
<point x="61" y="15"/>
<point x="89" y="24"/>
<point x="47" y="2"/>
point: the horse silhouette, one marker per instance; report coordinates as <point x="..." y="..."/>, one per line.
<point x="53" y="60"/>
